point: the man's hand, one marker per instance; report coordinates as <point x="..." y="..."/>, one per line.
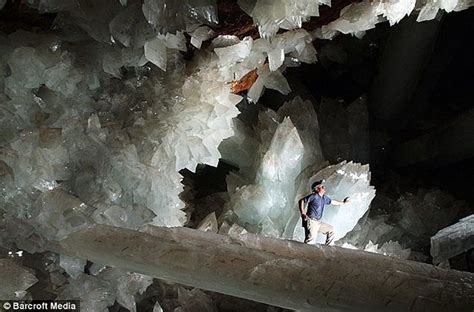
<point x="346" y="200"/>
<point x="304" y="216"/>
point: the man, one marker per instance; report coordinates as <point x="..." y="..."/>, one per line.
<point x="312" y="218"/>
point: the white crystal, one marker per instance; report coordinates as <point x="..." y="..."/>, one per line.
<point x="157" y="307"/>
<point x="209" y="223"/>
<point x="392" y="249"/>
<point x="130" y="284"/>
<point x="95" y="294"/>
<point x="73" y="266"/>
<point x="270" y="16"/>
<point x="25" y="75"/>
<point x="265" y="202"/>
<point x="222" y="41"/>
<point x="155" y="52"/>
<point x="394" y="11"/>
<point x="174" y="41"/>
<point x="57" y="214"/>
<point x="234" y="53"/>
<point x="269" y="270"/>
<point x="201" y="34"/>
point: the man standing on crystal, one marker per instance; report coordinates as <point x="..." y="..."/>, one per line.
<point x="312" y="218"/>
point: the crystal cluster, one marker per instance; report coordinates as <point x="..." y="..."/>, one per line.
<point x="270" y="58"/>
<point x="99" y="115"/>
<point x="391" y="249"/>
<point x="287" y="157"/>
<point x="430" y="8"/>
<point x="428" y="211"/>
<point x="342" y="180"/>
<point x="357" y="18"/>
<point x="271" y="15"/>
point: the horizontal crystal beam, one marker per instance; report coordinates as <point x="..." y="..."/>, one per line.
<point x="453" y="240"/>
<point x="283" y="273"/>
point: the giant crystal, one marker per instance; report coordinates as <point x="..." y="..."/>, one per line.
<point x="453" y="240"/>
<point x="92" y="132"/>
<point x="288" y="158"/>
<point x="278" y="272"/>
<point x="262" y="196"/>
<point x="341" y="180"/>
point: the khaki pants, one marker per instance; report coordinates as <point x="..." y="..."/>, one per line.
<point x="313" y="227"/>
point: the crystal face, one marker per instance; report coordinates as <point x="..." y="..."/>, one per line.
<point x="453" y="240"/>
<point x="16" y="279"/>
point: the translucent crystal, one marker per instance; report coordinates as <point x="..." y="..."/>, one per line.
<point x="392" y="249"/>
<point x="358" y="17"/>
<point x="453" y="240"/>
<point x="25" y="76"/>
<point x="175" y="41"/>
<point x="95" y="294"/>
<point x="122" y="26"/>
<point x="430" y="8"/>
<point x="342" y="180"/>
<point x="155" y="52"/>
<point x="428" y="211"/>
<point x="16" y="279"/>
<point x="276" y="58"/>
<point x="234" y="53"/>
<point x="396" y="10"/>
<point x="157" y="307"/>
<point x="73" y="266"/>
<point x="57" y="214"/>
<point x="209" y="223"/>
<point x="224" y="41"/>
<point x="164" y="13"/>
<point x="263" y="195"/>
<point x="171" y="16"/>
<point x="201" y="34"/>
<point x="270" y="16"/>
<point x="272" y="271"/>
<point x="130" y="284"/>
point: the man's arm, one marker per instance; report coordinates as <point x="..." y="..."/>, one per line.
<point x="338" y="203"/>
<point x="301" y="208"/>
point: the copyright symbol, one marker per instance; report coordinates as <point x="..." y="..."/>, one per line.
<point x="7" y="305"/>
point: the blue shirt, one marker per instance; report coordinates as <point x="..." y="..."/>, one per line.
<point x="316" y="204"/>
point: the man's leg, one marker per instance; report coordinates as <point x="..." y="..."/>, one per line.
<point x="311" y="231"/>
<point x="327" y="230"/>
